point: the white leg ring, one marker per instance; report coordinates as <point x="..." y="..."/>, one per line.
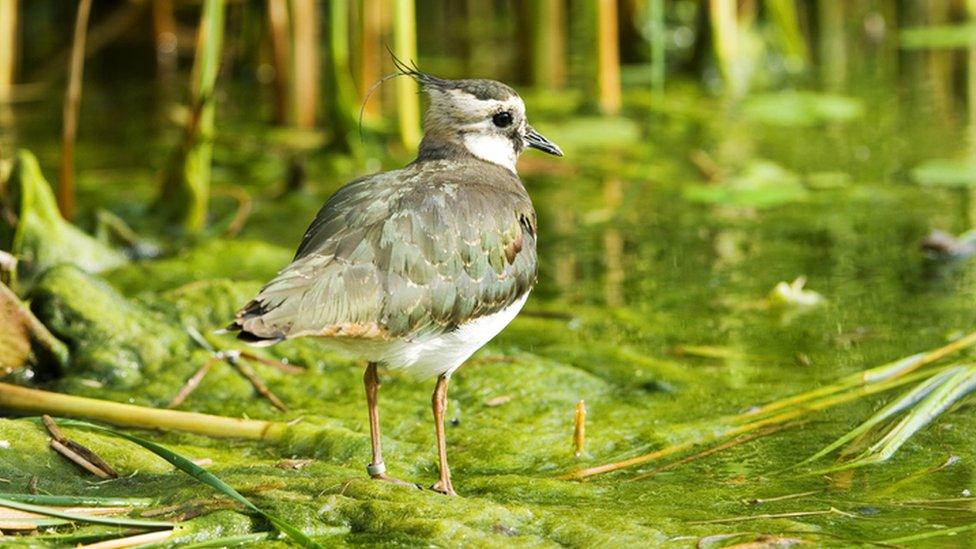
<point x="376" y="469"/>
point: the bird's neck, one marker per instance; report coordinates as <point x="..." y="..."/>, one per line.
<point x="498" y="150"/>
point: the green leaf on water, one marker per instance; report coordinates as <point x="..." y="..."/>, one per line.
<point x="942" y="172"/>
<point x="938" y="37"/>
<point x="761" y="184"/>
<point x="801" y="109"/>
<point x="201" y="475"/>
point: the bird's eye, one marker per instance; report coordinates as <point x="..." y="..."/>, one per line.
<point x="502" y="119"/>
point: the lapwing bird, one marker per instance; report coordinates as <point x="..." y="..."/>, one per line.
<point x="417" y="268"/>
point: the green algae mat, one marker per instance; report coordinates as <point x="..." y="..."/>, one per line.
<point x="653" y="307"/>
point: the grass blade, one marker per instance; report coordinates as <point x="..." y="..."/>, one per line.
<point x="907" y="400"/>
<point x="953" y="389"/>
<point x="203" y="476"/>
<point x="78" y="501"/>
<point x="110" y="521"/>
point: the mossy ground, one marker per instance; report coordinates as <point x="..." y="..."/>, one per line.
<point x="630" y="269"/>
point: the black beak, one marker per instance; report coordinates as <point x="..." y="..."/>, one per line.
<point x="536" y="140"/>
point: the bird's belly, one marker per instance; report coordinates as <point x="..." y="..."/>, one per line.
<point x="444" y="353"/>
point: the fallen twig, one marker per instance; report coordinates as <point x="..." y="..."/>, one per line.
<point x="769" y="516"/>
<point x="130" y="541"/>
<point x="80" y="455"/>
<point x="256" y="381"/>
<point x="192" y="383"/>
<point x="710" y="451"/>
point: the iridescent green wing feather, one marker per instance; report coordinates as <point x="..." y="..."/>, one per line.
<point x="404" y="254"/>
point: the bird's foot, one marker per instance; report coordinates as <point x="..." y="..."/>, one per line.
<point x="377" y="471"/>
<point x="443" y="486"/>
<point x="395" y="481"/>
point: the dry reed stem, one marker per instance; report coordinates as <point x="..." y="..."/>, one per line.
<point x="579" y="429"/>
<point x="910" y="364"/>
<point x="78" y="460"/>
<point x="7" y="513"/>
<point x="278" y="25"/>
<point x="743" y="429"/>
<point x="281" y="366"/>
<point x="72" y="98"/>
<point x="192" y="383"/>
<point x="710" y="451"/>
<point x="14" y="398"/>
<point x="768" y="516"/>
<point x="130" y="541"/>
<point x="256" y="381"/>
<point x="76" y="450"/>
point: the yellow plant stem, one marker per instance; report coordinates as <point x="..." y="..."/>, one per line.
<point x="405" y="48"/>
<point x="23" y="400"/>
<point x="894" y="369"/>
<point x="722" y="433"/>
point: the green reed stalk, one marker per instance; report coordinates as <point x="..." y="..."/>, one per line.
<point x="655" y="12"/>
<point x="548" y="44"/>
<point x="185" y="193"/>
<point x="405" y="48"/>
<point x="725" y="42"/>
<point x="341" y="92"/>
<point x="784" y="16"/>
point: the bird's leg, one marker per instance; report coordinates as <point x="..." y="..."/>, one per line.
<point x="376" y="468"/>
<point x="439" y="402"/>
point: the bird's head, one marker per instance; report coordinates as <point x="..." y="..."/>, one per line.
<point x="483" y="117"/>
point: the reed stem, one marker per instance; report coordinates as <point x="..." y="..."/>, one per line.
<point x="305" y="24"/>
<point x="658" y="46"/>
<point x="405" y="48"/>
<point x="22" y="400"/>
<point x="341" y="88"/>
<point x="185" y="193"/>
<point x="72" y="99"/>
<point x="279" y="29"/>
<point x="370" y="56"/>
<point x="608" y="57"/>
<point x="8" y="47"/>
<point x="725" y="42"/>
<point x="549" y="44"/>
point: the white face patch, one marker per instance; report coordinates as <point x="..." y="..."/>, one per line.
<point x="493" y="147"/>
<point x="480" y="136"/>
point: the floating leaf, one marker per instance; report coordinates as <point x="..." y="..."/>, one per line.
<point x="960" y="173"/>
<point x="938" y="37"/>
<point x="595" y="132"/>
<point x="762" y="184"/>
<point x="799" y="109"/>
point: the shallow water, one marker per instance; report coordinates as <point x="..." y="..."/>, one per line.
<point x="631" y="269"/>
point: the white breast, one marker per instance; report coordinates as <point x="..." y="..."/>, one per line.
<point x="440" y="354"/>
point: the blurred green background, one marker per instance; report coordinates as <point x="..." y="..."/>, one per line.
<point x="758" y="199"/>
